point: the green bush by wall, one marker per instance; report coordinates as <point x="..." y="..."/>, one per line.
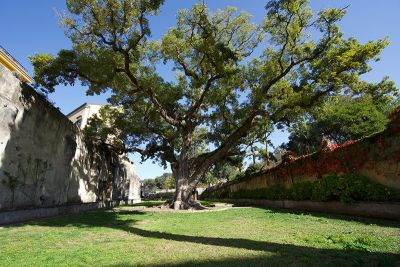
<point x="345" y="188"/>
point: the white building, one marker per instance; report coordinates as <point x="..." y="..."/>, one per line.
<point x="81" y="114"/>
<point x="80" y="117"/>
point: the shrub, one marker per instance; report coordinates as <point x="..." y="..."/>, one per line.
<point x="273" y="192"/>
<point x="161" y="196"/>
<point x="345" y="188"/>
<point x="301" y="190"/>
<point x="351" y="187"/>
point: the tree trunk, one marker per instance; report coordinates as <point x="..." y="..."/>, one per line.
<point x="183" y="184"/>
<point x="183" y="192"/>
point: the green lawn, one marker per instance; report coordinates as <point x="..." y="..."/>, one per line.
<point x="233" y="237"/>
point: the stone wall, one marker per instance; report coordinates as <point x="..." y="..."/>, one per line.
<point x="376" y="157"/>
<point x="46" y="161"/>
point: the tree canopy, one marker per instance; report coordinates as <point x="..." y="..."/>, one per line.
<point x="340" y="119"/>
<point x="222" y="93"/>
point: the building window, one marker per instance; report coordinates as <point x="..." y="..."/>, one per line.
<point x="78" y="122"/>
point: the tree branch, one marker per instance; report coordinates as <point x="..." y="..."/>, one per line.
<point x="223" y="148"/>
<point x="196" y="104"/>
<point x="187" y="71"/>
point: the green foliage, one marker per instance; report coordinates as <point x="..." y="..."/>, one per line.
<point x="352" y="243"/>
<point x="340" y="119"/>
<point x="51" y="71"/>
<point x="99" y="127"/>
<point x="161" y="196"/>
<point x="164" y="181"/>
<point x="223" y="171"/>
<point x="222" y="94"/>
<point x="150" y="184"/>
<point x="253" y="168"/>
<point x="345" y="188"/>
<point x="273" y="192"/>
<point x="301" y="190"/>
<point x="350" y="187"/>
<point x="344" y="119"/>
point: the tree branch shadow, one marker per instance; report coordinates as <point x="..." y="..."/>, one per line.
<point x="349" y="218"/>
<point x="309" y="256"/>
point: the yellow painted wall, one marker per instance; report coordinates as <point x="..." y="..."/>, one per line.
<point x="12" y="65"/>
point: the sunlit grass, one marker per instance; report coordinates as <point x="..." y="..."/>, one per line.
<point x="233" y="237"/>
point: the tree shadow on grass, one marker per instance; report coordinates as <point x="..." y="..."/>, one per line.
<point x="99" y="218"/>
<point x="297" y="259"/>
<point x="306" y="255"/>
<point x="278" y="254"/>
<point x="349" y="218"/>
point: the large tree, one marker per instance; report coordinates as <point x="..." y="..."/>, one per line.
<point x="222" y="92"/>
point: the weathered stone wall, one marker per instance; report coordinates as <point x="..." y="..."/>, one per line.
<point x="376" y="157"/>
<point x="45" y="160"/>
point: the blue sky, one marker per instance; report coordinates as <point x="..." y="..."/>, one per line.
<point x="30" y="27"/>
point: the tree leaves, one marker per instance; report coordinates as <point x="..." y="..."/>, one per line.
<point x="222" y="95"/>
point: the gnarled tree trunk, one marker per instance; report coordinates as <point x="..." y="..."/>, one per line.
<point x="182" y="199"/>
<point x="187" y="175"/>
<point x="183" y="187"/>
<point x="181" y="172"/>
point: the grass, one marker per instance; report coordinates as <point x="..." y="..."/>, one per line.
<point x="234" y="237"/>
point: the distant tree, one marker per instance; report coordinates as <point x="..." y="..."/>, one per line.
<point x="165" y="181"/>
<point x="259" y="142"/>
<point x="304" y="137"/>
<point x="149" y="185"/>
<point x="279" y="154"/>
<point x="220" y="95"/>
<point x="254" y="168"/>
<point x="169" y="182"/>
<point x="340" y="119"/>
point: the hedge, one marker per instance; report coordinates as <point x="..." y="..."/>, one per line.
<point x="345" y="188"/>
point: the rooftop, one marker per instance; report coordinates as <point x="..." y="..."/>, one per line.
<point x="12" y="64"/>
<point x="83" y="106"/>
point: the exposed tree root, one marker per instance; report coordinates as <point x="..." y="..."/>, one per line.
<point x="179" y="205"/>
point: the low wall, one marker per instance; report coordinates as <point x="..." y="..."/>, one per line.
<point x="376" y="157"/>
<point x="23" y="215"/>
<point x="379" y="210"/>
<point x="46" y="161"/>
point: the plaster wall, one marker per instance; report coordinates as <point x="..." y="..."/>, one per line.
<point x="45" y="160"/>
